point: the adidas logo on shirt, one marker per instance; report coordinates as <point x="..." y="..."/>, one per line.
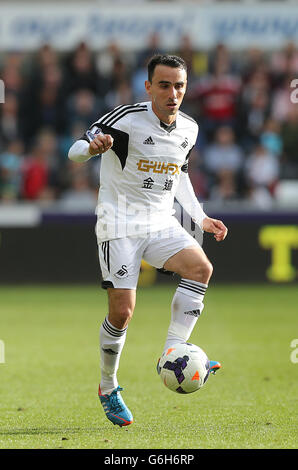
<point x="149" y="141"/>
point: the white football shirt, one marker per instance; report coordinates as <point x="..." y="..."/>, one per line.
<point x="140" y="174"/>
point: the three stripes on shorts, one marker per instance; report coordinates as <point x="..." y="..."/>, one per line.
<point x="105" y="247"/>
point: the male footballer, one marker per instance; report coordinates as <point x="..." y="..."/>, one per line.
<point x="145" y="149"/>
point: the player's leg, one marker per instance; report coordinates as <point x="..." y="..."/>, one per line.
<point x="192" y="264"/>
<point x="179" y="252"/>
<point x="112" y="339"/>
<point x="113" y="335"/>
<point x="120" y="262"/>
<point x="175" y="250"/>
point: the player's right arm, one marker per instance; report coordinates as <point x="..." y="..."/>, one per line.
<point x="110" y="132"/>
<point x="82" y="150"/>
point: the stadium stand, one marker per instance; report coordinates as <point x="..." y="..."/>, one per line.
<point x="248" y="125"/>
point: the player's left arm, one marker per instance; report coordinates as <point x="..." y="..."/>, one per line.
<point x="217" y="227"/>
<point x="185" y="195"/>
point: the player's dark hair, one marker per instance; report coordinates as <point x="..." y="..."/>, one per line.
<point x="165" y="59"/>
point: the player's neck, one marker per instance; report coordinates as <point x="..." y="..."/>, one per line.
<point x="166" y="118"/>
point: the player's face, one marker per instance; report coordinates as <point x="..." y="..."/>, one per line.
<point x="167" y="91"/>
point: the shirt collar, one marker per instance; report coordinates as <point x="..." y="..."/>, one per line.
<point x="168" y="127"/>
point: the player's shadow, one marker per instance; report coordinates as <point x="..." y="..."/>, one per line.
<point x="33" y="431"/>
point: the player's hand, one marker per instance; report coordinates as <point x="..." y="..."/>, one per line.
<point x="101" y="144"/>
<point x="215" y="226"/>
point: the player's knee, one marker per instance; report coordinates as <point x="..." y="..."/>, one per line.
<point x="122" y="316"/>
<point x="207" y="270"/>
<point x="203" y="272"/>
<point x="210" y="270"/>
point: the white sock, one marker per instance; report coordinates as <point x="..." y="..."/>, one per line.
<point x="187" y="306"/>
<point x="111" y="344"/>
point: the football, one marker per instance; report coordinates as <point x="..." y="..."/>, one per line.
<point x="184" y="368"/>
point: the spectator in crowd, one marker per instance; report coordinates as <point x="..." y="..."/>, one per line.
<point x="284" y="62"/>
<point x="262" y="174"/>
<point x="79" y="197"/>
<point x="50" y="104"/>
<point x="254" y="106"/>
<point x="82" y="107"/>
<point x="119" y="73"/>
<point x="196" y="61"/>
<point x="41" y="99"/>
<point x="122" y="94"/>
<point x="35" y="175"/>
<point x="262" y="169"/>
<point x="11" y="162"/>
<point x="216" y="96"/>
<point x="45" y="57"/>
<point x="271" y="139"/>
<point x="289" y="135"/>
<point x="137" y="83"/>
<point x="224" y="188"/>
<point x="140" y="73"/>
<point x="281" y="102"/>
<point x="153" y="47"/>
<point x="250" y="62"/>
<point x="11" y="73"/>
<point x="221" y="57"/>
<point x="223" y="159"/>
<point x="258" y="83"/>
<point x="252" y="120"/>
<point x="81" y="71"/>
<point x="10" y="126"/>
<point x="41" y="168"/>
<point x="105" y="61"/>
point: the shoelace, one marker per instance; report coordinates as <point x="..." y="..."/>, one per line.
<point x="115" y="403"/>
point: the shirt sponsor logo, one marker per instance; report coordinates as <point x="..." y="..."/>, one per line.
<point x="148" y="183"/>
<point x="168" y="185"/>
<point x="158" y="167"/>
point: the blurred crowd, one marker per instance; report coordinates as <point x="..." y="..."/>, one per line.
<point x="248" y="139"/>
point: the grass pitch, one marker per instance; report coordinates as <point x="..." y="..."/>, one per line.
<point x="48" y="383"/>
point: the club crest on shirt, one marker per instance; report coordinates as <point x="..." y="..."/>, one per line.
<point x="184" y="143"/>
<point x="123" y="272"/>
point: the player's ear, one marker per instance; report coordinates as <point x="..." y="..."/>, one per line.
<point x="148" y="87"/>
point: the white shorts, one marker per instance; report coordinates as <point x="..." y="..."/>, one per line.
<point x="120" y="259"/>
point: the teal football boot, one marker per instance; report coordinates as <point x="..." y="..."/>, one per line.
<point x="115" y="408"/>
<point x="214" y="366"/>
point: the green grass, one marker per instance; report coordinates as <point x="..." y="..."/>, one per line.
<point x="48" y="385"/>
